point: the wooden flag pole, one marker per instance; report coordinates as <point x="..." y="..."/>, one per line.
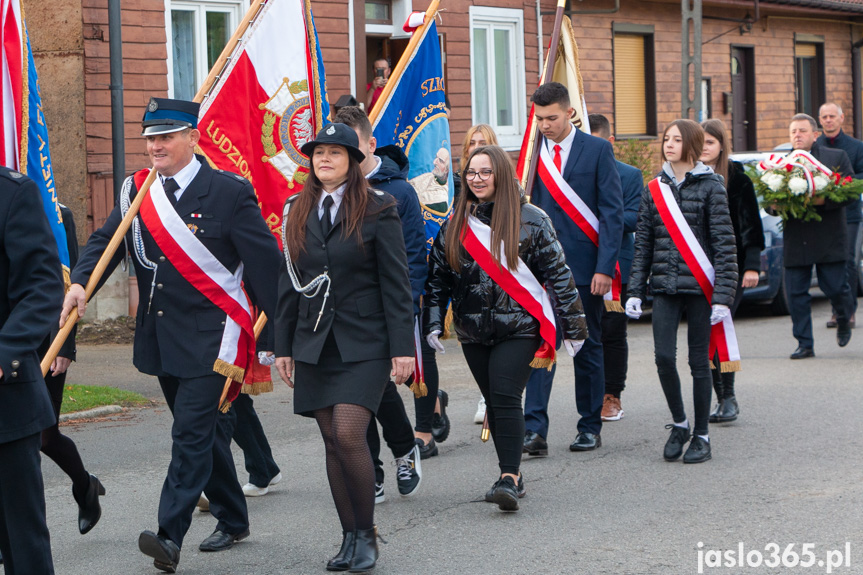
<point x="531" y="142"/>
<point x="546" y="78"/>
<point x="403" y="62"/>
<point x="120" y="233"/>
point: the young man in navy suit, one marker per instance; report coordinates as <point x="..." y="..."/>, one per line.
<point x="585" y="204"/>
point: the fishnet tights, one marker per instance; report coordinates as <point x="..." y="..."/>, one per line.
<point x="350" y="470"/>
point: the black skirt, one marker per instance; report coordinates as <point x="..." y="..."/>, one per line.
<point x="333" y="381"/>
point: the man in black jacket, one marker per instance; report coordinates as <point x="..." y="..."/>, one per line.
<point x="386" y="169"/>
<point x="832" y="136"/>
<point x="817" y="243"/>
<point x="31" y="287"/>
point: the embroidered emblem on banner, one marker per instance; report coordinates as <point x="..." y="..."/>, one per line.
<point x="287" y="126"/>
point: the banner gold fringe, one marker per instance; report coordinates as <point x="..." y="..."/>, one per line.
<point x="611" y="305"/>
<point x="225" y="407"/>
<point x="257" y="388"/>
<point x="447" y="323"/>
<point x="545" y="362"/>
<point x="730" y="366"/>
<point x="67" y="278"/>
<point x="419" y="388"/>
<point x="229" y="370"/>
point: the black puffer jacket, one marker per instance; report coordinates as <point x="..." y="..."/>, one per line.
<point x="482" y="311"/>
<point x="745" y="217"/>
<point x="704" y="203"/>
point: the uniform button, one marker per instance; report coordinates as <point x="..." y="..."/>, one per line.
<point x="16" y="364"/>
<point x="161" y="258"/>
<point x="324" y="246"/>
<point x="14" y="374"/>
<point x="223" y="323"/>
<point x="160" y="313"/>
<point x="202" y="231"/>
<point x="159" y="286"/>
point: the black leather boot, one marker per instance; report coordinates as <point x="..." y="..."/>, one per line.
<point x="342" y="560"/>
<point x="89" y="510"/>
<point x="365" y="551"/>
<point x="728" y="410"/>
<point x="714" y="415"/>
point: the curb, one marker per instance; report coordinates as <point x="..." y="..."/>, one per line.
<point x="91" y="413"/>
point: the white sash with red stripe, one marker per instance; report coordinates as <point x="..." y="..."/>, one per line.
<point x="723" y="339"/>
<point x="207" y="274"/>
<point x="580" y="213"/>
<point x="521" y="285"/>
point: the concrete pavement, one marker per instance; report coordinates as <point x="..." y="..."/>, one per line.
<point x="787" y="472"/>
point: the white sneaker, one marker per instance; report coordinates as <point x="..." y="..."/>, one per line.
<point x="379" y="493"/>
<point x="252" y="490"/>
<point x="479" y="416"/>
<point x="276" y="479"/>
<point x="203" y="503"/>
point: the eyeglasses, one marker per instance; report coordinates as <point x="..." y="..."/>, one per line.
<point x="483" y="174"/>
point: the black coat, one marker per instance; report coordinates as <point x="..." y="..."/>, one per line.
<point x="31" y="295"/>
<point x="482" y="311"/>
<point x="807" y="243"/>
<point x="746" y="218"/>
<point x="180" y="333"/>
<point x="704" y="202"/>
<point x="69" y="349"/>
<point x="369" y="306"/>
<point x="854" y="148"/>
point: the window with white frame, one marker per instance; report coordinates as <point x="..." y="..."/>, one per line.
<point x="197" y="33"/>
<point x="497" y="71"/>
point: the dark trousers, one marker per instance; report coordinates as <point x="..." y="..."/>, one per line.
<point x="723" y="383"/>
<point x="851" y="271"/>
<point x="589" y="377"/>
<point x="201" y="459"/>
<point x="501" y="372"/>
<point x="831" y="280"/>
<point x="396" y="429"/>
<point x="24" y="539"/>
<point x="424" y="406"/>
<point x="250" y="437"/>
<point x="615" y="348"/>
<point x="667" y="312"/>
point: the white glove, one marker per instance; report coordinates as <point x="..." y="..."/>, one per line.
<point x="573" y="346"/>
<point x="720" y="312"/>
<point x="434" y="342"/>
<point x="266" y="358"/>
<point x="633" y="308"/>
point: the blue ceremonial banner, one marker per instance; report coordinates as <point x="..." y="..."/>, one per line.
<point x="39" y="157"/>
<point x="414" y="118"/>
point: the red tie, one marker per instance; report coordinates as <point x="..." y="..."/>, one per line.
<point x="557" y="157"/>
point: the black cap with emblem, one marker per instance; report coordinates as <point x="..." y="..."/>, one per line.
<point x="339" y="135"/>
<point x="164" y="116"/>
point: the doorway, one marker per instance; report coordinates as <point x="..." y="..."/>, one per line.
<point x="743" y="124"/>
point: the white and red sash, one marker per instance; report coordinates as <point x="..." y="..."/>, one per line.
<point x="521" y="285"/>
<point x="207" y="274"/>
<point x="580" y="213"/>
<point x="723" y="339"/>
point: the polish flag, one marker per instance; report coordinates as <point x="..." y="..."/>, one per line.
<point x="267" y="103"/>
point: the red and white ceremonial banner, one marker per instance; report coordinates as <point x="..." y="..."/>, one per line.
<point x="207" y="274"/>
<point x="580" y="213"/>
<point x="723" y="339"/>
<point x="521" y="285"/>
<point x="267" y="103"/>
<point x="14" y="117"/>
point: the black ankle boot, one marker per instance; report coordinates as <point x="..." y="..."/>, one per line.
<point x="365" y="551"/>
<point x="714" y="414"/>
<point x="728" y="411"/>
<point x="89" y="510"/>
<point x="342" y="560"/>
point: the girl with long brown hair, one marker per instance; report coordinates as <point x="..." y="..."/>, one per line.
<point x="493" y="250"/>
<point x="345" y="256"/>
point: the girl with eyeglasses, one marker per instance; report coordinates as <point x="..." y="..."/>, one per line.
<point x="492" y="260"/>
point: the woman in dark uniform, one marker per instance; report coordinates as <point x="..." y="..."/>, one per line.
<point x="345" y="257"/>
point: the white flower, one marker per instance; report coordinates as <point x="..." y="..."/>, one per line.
<point x="772" y="180"/>
<point x="798" y="186"/>
<point x="821" y="182"/>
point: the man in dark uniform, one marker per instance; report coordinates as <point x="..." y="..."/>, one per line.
<point x="31" y="286"/>
<point x="180" y="331"/>
<point x="817" y="243"/>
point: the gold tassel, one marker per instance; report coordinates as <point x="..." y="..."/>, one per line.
<point x="225" y="407"/>
<point x="67" y="278"/>
<point x="730" y="366"/>
<point x="447" y="323"/>
<point x="229" y="370"/>
<point x="612" y="305"/>
<point x="545" y="362"/>
<point x="419" y="388"/>
<point x="257" y="388"/>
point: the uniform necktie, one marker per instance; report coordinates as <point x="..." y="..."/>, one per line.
<point x="326" y="221"/>
<point x="557" y="157"/>
<point x="170" y="185"/>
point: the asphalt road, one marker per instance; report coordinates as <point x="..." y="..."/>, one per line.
<point x="787" y="472"/>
